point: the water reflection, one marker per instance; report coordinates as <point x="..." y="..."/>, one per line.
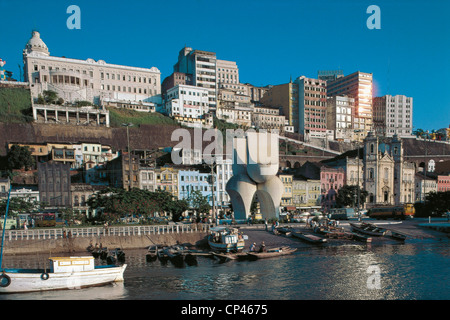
<point x="406" y="271"/>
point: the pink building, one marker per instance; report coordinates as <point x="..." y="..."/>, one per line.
<point x="331" y="180"/>
<point x="443" y="183"/>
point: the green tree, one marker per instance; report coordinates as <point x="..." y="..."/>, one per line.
<point x="347" y="196"/>
<point x="16" y="206"/>
<point x="19" y="157"/>
<point x="50" y="96"/>
<point x="199" y="202"/>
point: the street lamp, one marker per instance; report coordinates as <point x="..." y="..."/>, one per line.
<point x="129" y="153"/>
<point x="358" y="187"/>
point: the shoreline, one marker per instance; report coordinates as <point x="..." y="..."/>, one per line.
<point x="416" y="230"/>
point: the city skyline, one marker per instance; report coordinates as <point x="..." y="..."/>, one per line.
<point x="270" y="41"/>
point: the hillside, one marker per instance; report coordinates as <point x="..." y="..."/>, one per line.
<point x="15" y="105"/>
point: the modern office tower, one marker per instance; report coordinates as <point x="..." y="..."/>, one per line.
<point x="202" y="66"/>
<point x="357" y="85"/>
<point x="393" y="115"/>
<point x="340" y="113"/>
<point x="87" y="80"/>
<point x="312" y="107"/>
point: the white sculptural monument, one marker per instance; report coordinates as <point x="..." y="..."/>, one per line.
<point x="255" y="165"/>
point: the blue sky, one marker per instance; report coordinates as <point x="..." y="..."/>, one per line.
<point x="270" y="40"/>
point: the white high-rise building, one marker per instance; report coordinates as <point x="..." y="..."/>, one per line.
<point x="393" y="115"/>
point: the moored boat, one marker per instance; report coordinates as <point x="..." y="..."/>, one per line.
<point x="397" y="235"/>
<point x="369" y="229"/>
<point x="271" y="253"/>
<point x="308" y="237"/>
<point x="64" y="273"/>
<point x="152" y="254"/>
<point x="224" y="239"/>
<point x="360" y="237"/>
<point x="285" y="230"/>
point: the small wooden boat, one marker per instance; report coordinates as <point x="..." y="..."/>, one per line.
<point x="224" y="239"/>
<point x="103" y="254"/>
<point x="308" y="237"/>
<point x="270" y="253"/>
<point x="64" y="273"/>
<point x="175" y="255"/>
<point x="114" y="256"/>
<point x="397" y="235"/>
<point x="285" y="231"/>
<point x="152" y="254"/>
<point x="369" y="229"/>
<point x="361" y="237"/>
<point x="162" y="255"/>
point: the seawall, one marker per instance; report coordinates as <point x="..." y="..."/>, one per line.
<point x="79" y="244"/>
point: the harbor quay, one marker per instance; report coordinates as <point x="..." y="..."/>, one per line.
<point x="71" y="240"/>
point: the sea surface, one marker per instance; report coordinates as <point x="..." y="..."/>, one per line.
<point x="418" y="270"/>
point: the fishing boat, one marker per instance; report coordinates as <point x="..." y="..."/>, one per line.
<point x="224" y="239"/>
<point x="271" y="253"/>
<point x="308" y="237"/>
<point x="152" y="254"/>
<point x="369" y="229"/>
<point x="63" y="273"/>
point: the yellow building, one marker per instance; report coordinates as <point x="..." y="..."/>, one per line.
<point x="167" y="180"/>
<point x="286" y="198"/>
<point x="306" y="194"/>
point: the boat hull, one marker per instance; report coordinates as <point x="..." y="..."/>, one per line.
<point x="309" y="237"/>
<point x="270" y="254"/>
<point x="21" y="280"/>
<point x="369" y="230"/>
<point x="226" y="247"/>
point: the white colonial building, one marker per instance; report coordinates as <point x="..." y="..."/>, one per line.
<point x="87" y="80"/>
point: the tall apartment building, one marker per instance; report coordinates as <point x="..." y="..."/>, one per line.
<point x="312" y="107"/>
<point x="393" y="115"/>
<point x="285" y="97"/>
<point x="340" y="113"/>
<point x="357" y="85"/>
<point x="202" y="66"/>
<point x="227" y="72"/>
<point x="54" y="184"/>
<point x="87" y="80"/>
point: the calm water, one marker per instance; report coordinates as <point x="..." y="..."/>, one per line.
<point x="406" y="272"/>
